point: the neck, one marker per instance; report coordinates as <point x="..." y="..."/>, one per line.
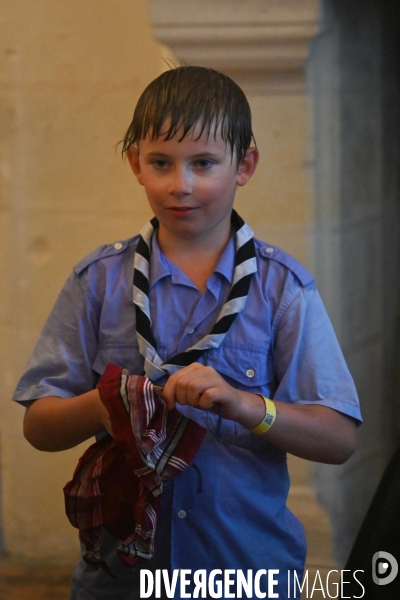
<point x="212" y="243"/>
<point x="196" y="258"/>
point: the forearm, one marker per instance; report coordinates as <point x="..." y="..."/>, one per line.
<point x="309" y="431"/>
<point x="52" y="423"/>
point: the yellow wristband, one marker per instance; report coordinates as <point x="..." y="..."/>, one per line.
<point x="269" y="419"/>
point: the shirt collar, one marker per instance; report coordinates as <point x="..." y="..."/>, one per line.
<point x="161" y="267"/>
<point x="226" y="263"/>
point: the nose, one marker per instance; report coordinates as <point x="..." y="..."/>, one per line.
<point x="181" y="182"/>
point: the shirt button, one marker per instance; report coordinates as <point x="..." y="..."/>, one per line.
<point x="118" y="246"/>
<point x="182" y="514"/>
<point x="250" y="373"/>
<point x="269" y="250"/>
<point x="191" y="331"/>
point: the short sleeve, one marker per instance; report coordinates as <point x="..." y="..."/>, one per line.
<point x="60" y="364"/>
<point x="310" y="366"/>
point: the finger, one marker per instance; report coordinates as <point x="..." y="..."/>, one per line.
<point x="182" y="376"/>
<point x="189" y="390"/>
<point x="192" y="383"/>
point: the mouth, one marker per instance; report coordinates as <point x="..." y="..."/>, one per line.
<point x="182" y="211"/>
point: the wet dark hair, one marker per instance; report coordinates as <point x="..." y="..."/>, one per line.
<point x="179" y="99"/>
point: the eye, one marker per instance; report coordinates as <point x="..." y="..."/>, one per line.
<point x="160" y="163"/>
<point x="204" y="163"/>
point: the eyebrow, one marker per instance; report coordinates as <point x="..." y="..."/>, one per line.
<point x="154" y="153"/>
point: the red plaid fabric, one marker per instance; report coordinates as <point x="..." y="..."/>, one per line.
<point x="118" y="481"/>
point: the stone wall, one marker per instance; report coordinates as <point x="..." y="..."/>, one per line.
<point x="71" y="73"/>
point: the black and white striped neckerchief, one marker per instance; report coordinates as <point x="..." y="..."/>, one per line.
<point x="245" y="266"/>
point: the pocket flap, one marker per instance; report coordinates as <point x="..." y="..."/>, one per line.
<point x="250" y="366"/>
<point x="126" y="356"/>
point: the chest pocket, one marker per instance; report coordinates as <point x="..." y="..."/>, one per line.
<point x="250" y="369"/>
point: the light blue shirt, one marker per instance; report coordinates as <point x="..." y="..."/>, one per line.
<point x="281" y="345"/>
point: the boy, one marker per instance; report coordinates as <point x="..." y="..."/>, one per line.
<point x="189" y="145"/>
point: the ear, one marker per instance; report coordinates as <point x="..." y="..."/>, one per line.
<point x="133" y="158"/>
<point x="247" y="166"/>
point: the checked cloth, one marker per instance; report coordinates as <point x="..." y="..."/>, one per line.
<point x="118" y="481"/>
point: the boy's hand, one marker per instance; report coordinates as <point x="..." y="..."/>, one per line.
<point x="310" y="431"/>
<point x="202" y="387"/>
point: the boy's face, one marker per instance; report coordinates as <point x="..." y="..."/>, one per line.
<point x="191" y="184"/>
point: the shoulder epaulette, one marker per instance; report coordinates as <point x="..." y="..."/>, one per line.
<point x="105" y="251"/>
<point x="270" y="252"/>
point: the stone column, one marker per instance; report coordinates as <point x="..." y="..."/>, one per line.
<point x="355" y="87"/>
